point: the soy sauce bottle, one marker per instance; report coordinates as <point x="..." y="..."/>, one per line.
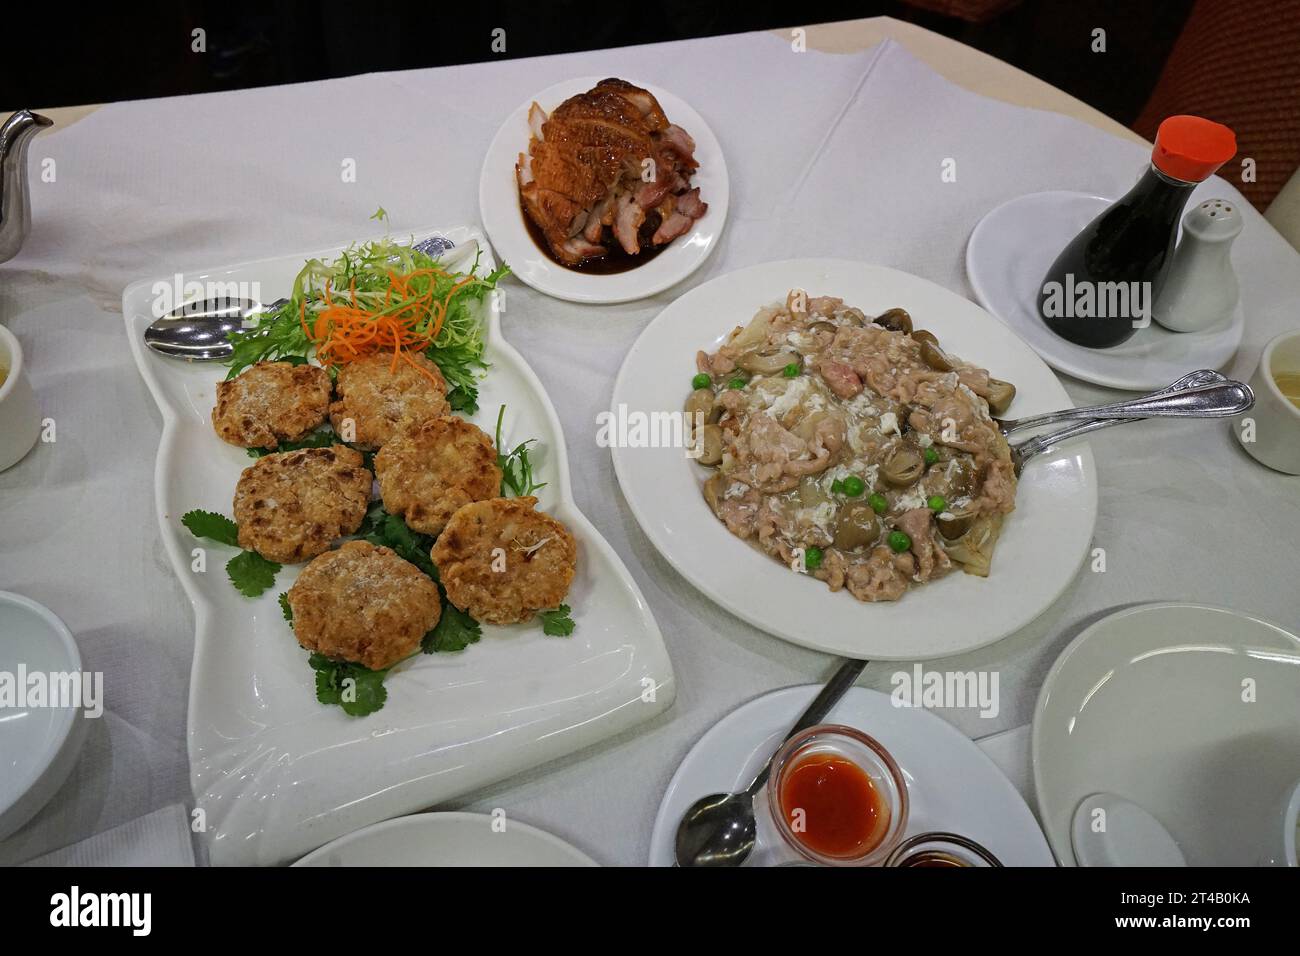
<point x="1103" y="285"/>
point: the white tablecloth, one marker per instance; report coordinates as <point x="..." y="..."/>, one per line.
<point x="836" y="155"/>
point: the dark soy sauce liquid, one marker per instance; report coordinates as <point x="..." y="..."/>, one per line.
<point x="612" y="262"/>
<point x="1131" y="242"/>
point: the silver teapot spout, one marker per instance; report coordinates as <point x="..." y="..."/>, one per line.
<point x="15" y="202"/>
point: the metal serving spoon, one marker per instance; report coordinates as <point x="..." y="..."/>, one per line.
<point x="197" y="331"/>
<point x="1212" y="397"/>
<point x="719" y="830"/>
<point x="1201" y="394"/>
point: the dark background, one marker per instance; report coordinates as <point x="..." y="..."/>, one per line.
<point x="1234" y="61"/>
<point x="89" y="53"/>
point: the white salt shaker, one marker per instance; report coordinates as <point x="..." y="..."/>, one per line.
<point x="1201" y="288"/>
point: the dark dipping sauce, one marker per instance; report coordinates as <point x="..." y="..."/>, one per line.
<point x="614" y="261"/>
<point x="832" y="806"/>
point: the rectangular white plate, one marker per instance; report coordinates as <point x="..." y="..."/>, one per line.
<point x="276" y="773"/>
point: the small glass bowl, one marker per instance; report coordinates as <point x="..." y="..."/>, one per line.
<point x="940" y="849"/>
<point x="868" y="755"/>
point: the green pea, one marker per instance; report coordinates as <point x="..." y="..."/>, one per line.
<point x="837" y="487"/>
<point x="854" y="486"/>
<point x="701" y="381"/>
<point x="937" y="503"/>
<point x="899" y="541"/>
<point x="879" y="503"/>
<point x="812" y="558"/>
<point x="931" y="456"/>
<point x="791" y="370"/>
<point x="736" y="382"/>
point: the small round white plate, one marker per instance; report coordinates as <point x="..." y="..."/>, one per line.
<point x="503" y="219"/>
<point x="1191" y="712"/>
<point x="1007" y="258"/>
<point x="951" y="784"/>
<point x="447" y="839"/>
<point x="1043" y="541"/>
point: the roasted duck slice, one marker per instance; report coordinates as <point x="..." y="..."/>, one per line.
<point x="607" y="166"/>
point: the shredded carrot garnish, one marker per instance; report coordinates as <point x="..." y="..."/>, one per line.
<point x="408" y="322"/>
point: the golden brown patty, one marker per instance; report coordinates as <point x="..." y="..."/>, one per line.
<point x="290" y="505"/>
<point x="428" y="470"/>
<point x="271" y="402"/>
<point x="531" y="572"/>
<point x="363" y="603"/>
<point x="376" y="399"/>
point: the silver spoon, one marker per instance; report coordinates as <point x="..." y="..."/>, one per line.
<point x="1193" y="396"/>
<point x="1219" y="401"/>
<point x="197" y="331"/>
<point x="719" y="830"/>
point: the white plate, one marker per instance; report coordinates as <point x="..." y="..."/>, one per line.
<point x="1007" y="257"/>
<point x="498" y="200"/>
<point x="1148" y="704"/>
<point x="951" y="784"/>
<point x="448" y="839"/>
<point x="1043" y="541"/>
<point x="277" y="773"/>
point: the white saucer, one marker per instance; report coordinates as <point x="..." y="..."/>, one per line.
<point x="503" y="219"/>
<point x="448" y="839"/>
<point x="1007" y="257"/>
<point x="951" y="784"/>
<point x="1147" y="704"/>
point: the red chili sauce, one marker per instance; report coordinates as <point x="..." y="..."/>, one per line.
<point x="833" y="807"/>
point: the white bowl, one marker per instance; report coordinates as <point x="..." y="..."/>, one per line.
<point x="1273" y="425"/>
<point x="38" y="745"/>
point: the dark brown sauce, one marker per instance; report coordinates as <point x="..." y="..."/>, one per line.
<point x="612" y="262"/>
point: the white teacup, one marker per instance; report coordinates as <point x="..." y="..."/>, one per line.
<point x="1270" y="432"/>
<point x="20" y="417"/>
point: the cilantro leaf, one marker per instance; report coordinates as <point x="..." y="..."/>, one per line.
<point x="454" y="631"/>
<point x="286" y="608"/>
<point x="358" y="690"/>
<point x="463" y="398"/>
<point x="318" y="439"/>
<point x="250" y="573"/>
<point x="557" y="622"/>
<point x="390" y="531"/>
<point x="209" y="524"/>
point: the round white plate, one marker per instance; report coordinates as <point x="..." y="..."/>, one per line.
<point x="503" y="219"/>
<point x="1007" y="258"/>
<point x="1148" y="704"/>
<point x="447" y="839"/>
<point x="1043" y="542"/>
<point x="951" y="784"/>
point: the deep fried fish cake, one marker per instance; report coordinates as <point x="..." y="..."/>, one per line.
<point x="375" y="399"/>
<point x="271" y="402"/>
<point x="290" y="505"/>
<point x="365" y="604"/>
<point x="531" y="571"/>
<point x="429" y="470"/>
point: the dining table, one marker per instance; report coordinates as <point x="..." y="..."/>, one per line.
<point x="841" y="140"/>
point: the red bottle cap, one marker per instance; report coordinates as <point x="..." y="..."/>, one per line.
<point x="1191" y="148"/>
